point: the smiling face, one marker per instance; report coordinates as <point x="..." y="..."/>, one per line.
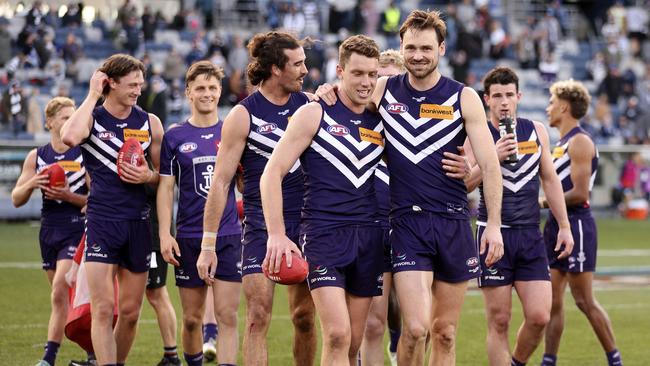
<point x="358" y="78"/>
<point x="421" y="52"/>
<point x="127" y="89"/>
<point x="203" y="94"/>
<point x="502" y="101"/>
<point x="294" y="71"/>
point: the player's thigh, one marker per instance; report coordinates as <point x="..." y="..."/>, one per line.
<point x="131" y="288"/>
<point x="332" y="309"/>
<point x="226" y="295"/>
<point x="100" y="277"/>
<point x="62" y="267"/>
<point x="300" y="297"/>
<point x="414" y="295"/>
<point x="449" y="299"/>
<point x="498" y="302"/>
<point x="379" y="305"/>
<point x="258" y="291"/>
<point x="581" y="285"/>
<point x="559" y="281"/>
<point x="536" y="298"/>
<point x="192" y="301"/>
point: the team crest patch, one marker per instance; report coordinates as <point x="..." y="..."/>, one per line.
<point x="203" y="167"/>
<point x="338" y="130"/>
<point x="436" y="111"/>
<point x="397" y="108"/>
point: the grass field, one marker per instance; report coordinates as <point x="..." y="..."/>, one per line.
<point x="24" y="305"/>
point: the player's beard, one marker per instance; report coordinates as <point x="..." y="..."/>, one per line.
<point x="422" y="73"/>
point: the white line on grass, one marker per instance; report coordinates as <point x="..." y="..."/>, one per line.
<point x="624" y="252"/>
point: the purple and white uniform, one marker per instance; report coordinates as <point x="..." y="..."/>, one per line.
<point x="429" y="213"/>
<point x="62" y="223"/>
<point x="189" y="153"/>
<point x="583" y="225"/>
<point x="340" y="236"/>
<point x="118" y="229"/>
<point x="382" y="191"/>
<point x="524" y="257"/>
<point x="267" y="124"/>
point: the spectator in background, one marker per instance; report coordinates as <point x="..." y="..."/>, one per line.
<point x="72" y="17"/>
<point x="313" y="79"/>
<point x="548" y="68"/>
<point x="174" y="66"/>
<point x="34" y="123"/>
<point x="525" y="50"/>
<point x="161" y="21"/>
<point x="312" y="18"/>
<point x="597" y="68"/>
<point x="131" y="36"/>
<point x="238" y="56"/>
<point x="389" y="24"/>
<point x="341" y="14"/>
<point x="294" y="20"/>
<point x="196" y="53"/>
<point x="154" y="98"/>
<point x="5" y="42"/>
<point x="35" y="15"/>
<point x="14" y="108"/>
<point x="126" y="11"/>
<point x="71" y="50"/>
<point x="148" y="24"/>
<point x="637" y="23"/>
<point x="498" y="40"/>
<point x="460" y="65"/>
<point x="612" y="85"/>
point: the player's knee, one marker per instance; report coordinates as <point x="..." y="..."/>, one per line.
<point x="129" y="314"/>
<point x="375" y="326"/>
<point x="259" y="316"/>
<point x="337" y="337"/>
<point x="303" y="319"/>
<point x="444" y="335"/>
<point x="59" y="296"/>
<point x="192" y="322"/>
<point x="583" y="303"/>
<point x="154" y="297"/>
<point x="102" y="311"/>
<point x="538" y="319"/>
<point x="226" y="318"/>
<point x="415" y="330"/>
<point x="500" y="322"/>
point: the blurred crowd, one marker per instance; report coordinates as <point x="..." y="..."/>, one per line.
<point x="54" y="51"/>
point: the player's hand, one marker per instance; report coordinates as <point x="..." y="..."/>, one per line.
<point x="327" y="93"/>
<point x="169" y="249"/>
<point x="457" y="165"/>
<point x="84" y="209"/>
<point x="135" y="174"/>
<point x="57" y="193"/>
<point x="276" y="247"/>
<point x="71" y="275"/>
<point x="564" y="237"/>
<point x="206" y="265"/>
<point x="506" y="146"/>
<point x="38" y="181"/>
<point x="97" y="83"/>
<point x="493" y="243"/>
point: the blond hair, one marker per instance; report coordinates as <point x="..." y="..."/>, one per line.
<point x="575" y="93"/>
<point x="392" y="57"/>
<point x="56" y="104"/>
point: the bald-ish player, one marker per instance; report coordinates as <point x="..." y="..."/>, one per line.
<point x="426" y="114"/>
<point x="250" y="133"/>
<point x="339" y="147"/>
<point x="384" y="309"/>
<point x="524" y="265"/>
<point x="118" y="232"/>
<point x="575" y="158"/>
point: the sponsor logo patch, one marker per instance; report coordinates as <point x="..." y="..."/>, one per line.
<point x="188" y="147"/>
<point x="70" y="165"/>
<point x="106" y="135"/>
<point x="527" y="147"/>
<point x="371" y="136"/>
<point x="397" y="108"/>
<point x="338" y="130"/>
<point x="267" y="128"/>
<point x="140" y="135"/>
<point x="320" y="270"/>
<point x="436" y="111"/>
<point x="558" y="152"/>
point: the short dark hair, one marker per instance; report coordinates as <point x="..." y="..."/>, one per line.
<point x="204" y="67"/>
<point x="500" y="76"/>
<point x="120" y="65"/>
<point x="420" y="19"/>
<point x="266" y="50"/>
<point x="363" y="45"/>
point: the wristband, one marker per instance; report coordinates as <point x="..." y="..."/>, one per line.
<point x="209" y="234"/>
<point x="209" y="241"/>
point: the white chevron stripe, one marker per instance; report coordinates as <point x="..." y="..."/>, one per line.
<point x="145" y="127"/>
<point x="102" y="146"/>
<point x="40" y="161"/>
<point x="336" y="144"/>
<point x="357" y="182"/>
<point x="383" y="176"/>
<point x="360" y="145"/>
<point x="420" y="121"/>
<point x="515" y="187"/>
<point x="76" y="175"/>
<point x="267" y="141"/>
<point x="564" y="173"/>
<point x="74" y="187"/>
<point x="416" y="140"/>
<point x="522" y="169"/>
<point x="267" y="155"/>
<point x="416" y="158"/>
<point x="101" y="128"/>
<point x="270" y="143"/>
<point x="110" y="165"/>
<point x="79" y="159"/>
<point x="591" y="181"/>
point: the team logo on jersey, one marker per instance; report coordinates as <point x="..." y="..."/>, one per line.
<point x="59" y="157"/>
<point x="338" y="130"/>
<point x="267" y="128"/>
<point x="436" y="111"/>
<point x="471" y="262"/>
<point x="397" y="108"/>
<point x="203" y="170"/>
<point x="419" y="99"/>
<point x="106" y="135"/>
<point x="188" y="147"/>
<point x="208" y="136"/>
<point x="121" y="125"/>
<point x="284" y="112"/>
<point x="356" y="122"/>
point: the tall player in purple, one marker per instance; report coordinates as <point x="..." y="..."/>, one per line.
<point x="187" y="159"/>
<point x="339" y="147"/>
<point x="426" y="114"/>
<point x="524" y="265"/>
<point x="62" y="223"/>
<point x="118" y="232"/>
<point x="575" y="158"/>
<point x="250" y="133"/>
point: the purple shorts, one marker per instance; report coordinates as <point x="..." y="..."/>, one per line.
<point x="125" y="243"/>
<point x="424" y="241"/>
<point x="585" y="244"/>
<point x="228" y="261"/>
<point x="388" y="263"/>
<point x="524" y="258"/>
<point x="254" y="244"/>
<point x="350" y="257"/>
<point x="57" y="244"/>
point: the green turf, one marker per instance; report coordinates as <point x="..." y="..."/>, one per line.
<point x="24" y="305"/>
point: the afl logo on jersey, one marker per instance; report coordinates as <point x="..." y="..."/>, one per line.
<point x="188" y="147"/>
<point x="267" y="128"/>
<point x="106" y="135"/>
<point x="338" y="130"/>
<point x="397" y="108"/>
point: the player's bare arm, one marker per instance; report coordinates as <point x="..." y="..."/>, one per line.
<point x="553" y="190"/>
<point x="233" y="141"/>
<point x="295" y="140"/>
<point x="28" y="181"/>
<point x="164" y="203"/>
<point x="581" y="151"/>
<point x="486" y="157"/>
<point x="77" y="128"/>
<point x="65" y="194"/>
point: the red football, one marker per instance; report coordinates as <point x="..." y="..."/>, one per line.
<point x="55" y="174"/>
<point x="290" y="276"/>
<point x="130" y="153"/>
<point x="240" y="209"/>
